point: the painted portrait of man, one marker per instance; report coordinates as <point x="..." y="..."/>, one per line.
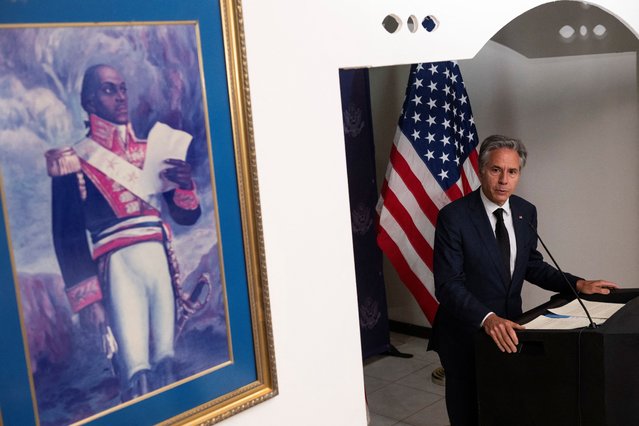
<point x="114" y="229"/>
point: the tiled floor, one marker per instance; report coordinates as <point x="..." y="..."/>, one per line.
<point x="400" y="391"/>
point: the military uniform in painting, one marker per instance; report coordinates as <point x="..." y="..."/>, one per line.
<point x="113" y="247"/>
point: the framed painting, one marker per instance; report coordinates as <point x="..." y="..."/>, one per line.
<point x="132" y="283"/>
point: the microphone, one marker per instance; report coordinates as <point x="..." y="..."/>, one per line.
<point x="592" y="323"/>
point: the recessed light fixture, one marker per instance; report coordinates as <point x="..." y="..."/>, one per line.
<point x="583" y="31"/>
<point x="566" y="32"/>
<point x="600" y="31"/>
<point x="392" y="23"/>
<point x="430" y="23"/>
<point x="412" y="23"/>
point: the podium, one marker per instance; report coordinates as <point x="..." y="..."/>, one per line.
<point x="582" y="377"/>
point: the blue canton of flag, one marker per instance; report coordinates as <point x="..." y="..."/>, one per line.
<point x="437" y="119"/>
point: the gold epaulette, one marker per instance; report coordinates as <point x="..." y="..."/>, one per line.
<point x="62" y="161"/>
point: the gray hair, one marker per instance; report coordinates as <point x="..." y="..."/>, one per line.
<point x="498" y="141"/>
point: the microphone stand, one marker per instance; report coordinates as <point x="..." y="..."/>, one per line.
<point x="592" y="323"/>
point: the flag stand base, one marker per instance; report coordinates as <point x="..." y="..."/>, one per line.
<point x="392" y="351"/>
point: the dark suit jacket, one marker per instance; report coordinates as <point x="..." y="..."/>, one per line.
<point x="470" y="280"/>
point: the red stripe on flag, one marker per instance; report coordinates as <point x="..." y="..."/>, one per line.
<point x="454" y="192"/>
<point x="426" y="301"/>
<point x="383" y="190"/>
<point x="474" y="160"/>
<point x="403" y="169"/>
<point x="465" y="183"/>
<point x="404" y="220"/>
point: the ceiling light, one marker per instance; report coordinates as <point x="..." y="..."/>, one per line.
<point x="583" y="31"/>
<point x="566" y="31"/>
<point x="600" y="31"/>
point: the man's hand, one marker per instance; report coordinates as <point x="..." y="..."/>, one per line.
<point x="595" y="286"/>
<point x="503" y="332"/>
<point x="180" y="173"/>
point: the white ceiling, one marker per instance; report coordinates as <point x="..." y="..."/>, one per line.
<point x="535" y="34"/>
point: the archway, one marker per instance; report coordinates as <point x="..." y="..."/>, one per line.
<point x="574" y="102"/>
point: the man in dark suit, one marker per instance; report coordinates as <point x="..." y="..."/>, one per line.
<point x="481" y="260"/>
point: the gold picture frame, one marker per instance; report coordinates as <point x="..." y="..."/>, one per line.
<point x="245" y="373"/>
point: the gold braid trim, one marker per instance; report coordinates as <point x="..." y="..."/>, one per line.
<point x="62" y="161"/>
<point x="82" y="185"/>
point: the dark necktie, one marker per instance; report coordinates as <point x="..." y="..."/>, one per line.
<point x="502" y="239"/>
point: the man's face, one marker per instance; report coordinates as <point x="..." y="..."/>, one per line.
<point x="109" y="100"/>
<point x="500" y="175"/>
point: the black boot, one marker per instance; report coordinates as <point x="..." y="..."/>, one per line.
<point x="163" y="373"/>
<point x="137" y="386"/>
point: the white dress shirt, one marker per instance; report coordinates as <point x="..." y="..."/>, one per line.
<point x="508" y="221"/>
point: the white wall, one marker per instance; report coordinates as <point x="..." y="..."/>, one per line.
<point x="294" y="50"/>
<point x="578" y="117"/>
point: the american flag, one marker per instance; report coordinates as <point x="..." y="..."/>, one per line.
<point x="433" y="161"/>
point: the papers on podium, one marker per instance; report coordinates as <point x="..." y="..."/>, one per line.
<point x="572" y="315"/>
